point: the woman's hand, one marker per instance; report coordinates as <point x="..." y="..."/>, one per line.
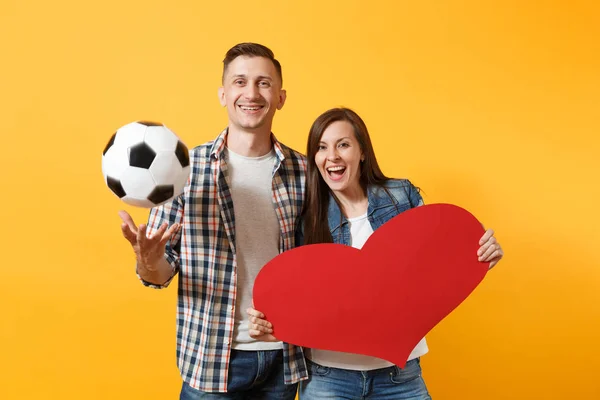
<point x="490" y="250"/>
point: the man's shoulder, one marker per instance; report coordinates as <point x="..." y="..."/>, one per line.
<point x="203" y="149"/>
<point x="292" y="153"/>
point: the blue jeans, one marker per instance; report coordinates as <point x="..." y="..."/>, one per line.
<point x="390" y="383"/>
<point x="252" y="375"/>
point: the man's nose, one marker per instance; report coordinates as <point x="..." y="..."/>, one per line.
<point x="251" y="92"/>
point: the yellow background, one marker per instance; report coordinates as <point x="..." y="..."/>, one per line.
<point x="491" y="105"/>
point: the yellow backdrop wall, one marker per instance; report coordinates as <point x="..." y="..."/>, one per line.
<point x="493" y="106"/>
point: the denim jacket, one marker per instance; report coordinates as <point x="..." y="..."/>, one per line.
<point x="381" y="208"/>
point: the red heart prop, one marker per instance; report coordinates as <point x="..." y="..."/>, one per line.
<point x="380" y="300"/>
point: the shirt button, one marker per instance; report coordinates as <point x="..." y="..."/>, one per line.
<point x="226" y="341"/>
<point x="232" y="308"/>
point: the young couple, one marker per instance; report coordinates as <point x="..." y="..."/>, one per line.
<point x="247" y="198"/>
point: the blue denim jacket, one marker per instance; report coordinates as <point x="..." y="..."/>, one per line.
<point x="381" y="208"/>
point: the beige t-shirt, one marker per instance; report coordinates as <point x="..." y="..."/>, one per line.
<point x="256" y="234"/>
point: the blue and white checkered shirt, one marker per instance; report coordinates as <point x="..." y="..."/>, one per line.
<point x="203" y="253"/>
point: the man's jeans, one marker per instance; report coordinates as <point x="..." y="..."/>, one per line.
<point x="390" y="383"/>
<point x="252" y="375"/>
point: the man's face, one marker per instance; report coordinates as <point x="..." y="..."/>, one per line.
<point x="252" y="93"/>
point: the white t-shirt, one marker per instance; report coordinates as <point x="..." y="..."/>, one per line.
<point x="256" y="235"/>
<point x="360" y="230"/>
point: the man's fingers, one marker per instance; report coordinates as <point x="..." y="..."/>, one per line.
<point x="254" y="333"/>
<point x="130" y="236"/>
<point x="173" y="229"/>
<point x="254" y="313"/>
<point x="260" y="322"/>
<point x="128" y="227"/>
<point x="126" y="218"/>
<point x="157" y="236"/>
<point x="261" y="327"/>
<point x="257" y="322"/>
<point x="264" y="337"/>
<point x="141" y="235"/>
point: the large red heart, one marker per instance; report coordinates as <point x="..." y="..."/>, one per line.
<point x="381" y="300"/>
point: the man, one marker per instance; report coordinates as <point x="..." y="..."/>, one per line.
<point x="238" y="211"/>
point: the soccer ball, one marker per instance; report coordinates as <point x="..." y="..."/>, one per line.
<point x="145" y="164"/>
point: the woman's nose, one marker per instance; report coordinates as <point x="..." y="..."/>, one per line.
<point x="333" y="155"/>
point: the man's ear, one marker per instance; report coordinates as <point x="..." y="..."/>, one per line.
<point x="282" y="97"/>
<point x="222" y="99"/>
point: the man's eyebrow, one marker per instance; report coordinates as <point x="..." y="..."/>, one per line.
<point x="260" y="77"/>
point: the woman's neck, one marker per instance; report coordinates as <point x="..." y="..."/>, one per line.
<point x="354" y="202"/>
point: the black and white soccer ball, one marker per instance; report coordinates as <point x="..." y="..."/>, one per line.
<point x="145" y="164"/>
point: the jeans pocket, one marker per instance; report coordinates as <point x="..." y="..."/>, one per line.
<point x="316" y="369"/>
<point x="410" y="372"/>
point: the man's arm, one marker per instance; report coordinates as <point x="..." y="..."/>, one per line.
<point x="159" y="272"/>
<point x="154" y="245"/>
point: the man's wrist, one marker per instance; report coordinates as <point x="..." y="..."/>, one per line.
<point x="149" y="267"/>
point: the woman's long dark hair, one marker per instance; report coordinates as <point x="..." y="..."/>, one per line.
<point x="316" y="226"/>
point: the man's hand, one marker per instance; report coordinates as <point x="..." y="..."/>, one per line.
<point x="259" y="328"/>
<point x="149" y="250"/>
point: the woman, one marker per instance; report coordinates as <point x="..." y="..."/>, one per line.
<point x="348" y="197"/>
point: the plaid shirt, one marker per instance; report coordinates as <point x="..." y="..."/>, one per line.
<point x="203" y="252"/>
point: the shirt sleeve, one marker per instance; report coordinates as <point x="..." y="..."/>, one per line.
<point x="171" y="212"/>
<point x="414" y="196"/>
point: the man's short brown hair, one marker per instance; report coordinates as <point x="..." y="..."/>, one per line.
<point x="250" y="50"/>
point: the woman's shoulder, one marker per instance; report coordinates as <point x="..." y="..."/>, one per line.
<point x="400" y="183"/>
<point x="395" y="186"/>
<point x="402" y="190"/>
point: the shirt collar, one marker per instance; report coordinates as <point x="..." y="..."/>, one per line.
<point x="219" y="146"/>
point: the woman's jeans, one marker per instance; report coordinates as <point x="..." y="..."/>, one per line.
<point x="392" y="383"/>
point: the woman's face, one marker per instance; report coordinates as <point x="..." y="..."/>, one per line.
<point x="338" y="157"/>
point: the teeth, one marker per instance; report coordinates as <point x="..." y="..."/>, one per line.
<point x="249" y="108"/>
<point x="332" y="169"/>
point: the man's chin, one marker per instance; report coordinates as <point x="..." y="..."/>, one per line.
<point x="252" y="125"/>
